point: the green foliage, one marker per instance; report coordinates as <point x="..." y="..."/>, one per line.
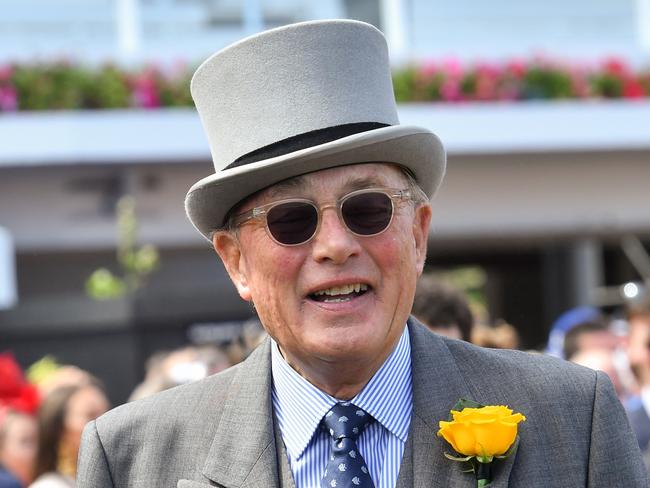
<point x="104" y="285"/>
<point x="108" y="88"/>
<point x="135" y="263"/>
<point x="547" y="83"/>
<point x="404" y="84"/>
<point x="66" y="86"/>
<point x="607" y="85"/>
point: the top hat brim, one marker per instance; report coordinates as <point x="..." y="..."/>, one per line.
<point x="417" y="149"/>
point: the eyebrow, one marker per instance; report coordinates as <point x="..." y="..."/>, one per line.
<point x="361" y="183"/>
<point x="279" y="189"/>
<point x="296" y="184"/>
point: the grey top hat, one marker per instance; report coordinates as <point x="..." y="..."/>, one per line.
<point x="298" y="99"/>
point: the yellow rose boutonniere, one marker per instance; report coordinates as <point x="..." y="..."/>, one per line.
<point x="480" y="434"/>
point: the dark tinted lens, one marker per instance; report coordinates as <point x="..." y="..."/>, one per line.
<point x="367" y="213"/>
<point x="292" y="222"/>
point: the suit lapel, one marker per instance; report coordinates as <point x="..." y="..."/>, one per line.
<point x="243" y="452"/>
<point x="437" y="385"/>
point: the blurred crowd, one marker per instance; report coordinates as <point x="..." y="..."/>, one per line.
<point x="617" y="344"/>
<point x="41" y="423"/>
<point x="43" y="410"/>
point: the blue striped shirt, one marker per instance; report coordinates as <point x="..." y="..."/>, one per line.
<point x="299" y="407"/>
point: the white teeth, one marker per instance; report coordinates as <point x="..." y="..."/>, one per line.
<point x="343" y="289"/>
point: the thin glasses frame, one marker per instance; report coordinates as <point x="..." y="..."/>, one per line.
<point x="259" y="214"/>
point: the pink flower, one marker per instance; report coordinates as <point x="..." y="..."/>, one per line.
<point x="6" y="72"/>
<point x="452" y="68"/>
<point x="429" y="68"/>
<point x="145" y="90"/>
<point x="487" y="77"/>
<point x="516" y="68"/>
<point x="616" y="67"/>
<point x="580" y="82"/>
<point x="8" y="99"/>
<point x="450" y="90"/>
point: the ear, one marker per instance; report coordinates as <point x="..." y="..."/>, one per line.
<point x="421" y="222"/>
<point x="228" y="248"/>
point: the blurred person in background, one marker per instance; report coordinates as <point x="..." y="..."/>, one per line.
<point x="600" y="359"/>
<point x="499" y="336"/>
<point x="595" y="344"/>
<point x="251" y="336"/>
<point x="18" y="445"/>
<point x="165" y="370"/>
<point x="18" y="433"/>
<point x="638" y="317"/>
<point x="442" y="309"/>
<point x="565" y="322"/>
<point x="61" y="418"/>
<point x="589" y="335"/>
<point x="60" y="376"/>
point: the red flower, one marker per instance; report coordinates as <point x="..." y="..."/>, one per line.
<point x="616" y="67"/>
<point x="15" y="392"/>
<point x="633" y="89"/>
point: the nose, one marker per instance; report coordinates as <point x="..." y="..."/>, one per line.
<point x="333" y="242"/>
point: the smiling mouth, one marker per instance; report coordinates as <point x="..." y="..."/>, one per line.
<point x="338" y="294"/>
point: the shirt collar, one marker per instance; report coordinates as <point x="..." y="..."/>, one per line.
<point x="300" y="406"/>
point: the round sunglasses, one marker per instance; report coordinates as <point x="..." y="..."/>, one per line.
<point x="295" y="221"/>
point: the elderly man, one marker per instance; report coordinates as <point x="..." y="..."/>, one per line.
<point x="319" y="210"/>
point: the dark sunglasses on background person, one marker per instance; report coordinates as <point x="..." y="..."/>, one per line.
<point x="295" y="221"/>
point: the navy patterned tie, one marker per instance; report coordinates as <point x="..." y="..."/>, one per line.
<point x="346" y="468"/>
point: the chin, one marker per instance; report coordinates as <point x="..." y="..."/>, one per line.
<point x="346" y="346"/>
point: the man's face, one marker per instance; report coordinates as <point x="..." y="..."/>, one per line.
<point x="639" y="348"/>
<point x="283" y="282"/>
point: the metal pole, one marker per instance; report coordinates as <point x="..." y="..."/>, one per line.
<point x="643" y="24"/>
<point x="253" y="16"/>
<point x="587" y="269"/>
<point x="8" y="291"/>
<point x="393" y="17"/>
<point x="638" y="256"/>
<point x="128" y="28"/>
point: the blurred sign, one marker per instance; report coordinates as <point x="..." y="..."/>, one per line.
<point x="8" y="293"/>
<point x="215" y="332"/>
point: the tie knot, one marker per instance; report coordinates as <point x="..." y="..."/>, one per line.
<point x="346" y="420"/>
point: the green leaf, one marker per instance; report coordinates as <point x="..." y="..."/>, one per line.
<point x="103" y="285"/>
<point x="457" y="458"/>
<point x="466" y="403"/>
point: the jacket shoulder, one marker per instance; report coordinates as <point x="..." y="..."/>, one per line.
<point x="175" y="404"/>
<point x="533" y="374"/>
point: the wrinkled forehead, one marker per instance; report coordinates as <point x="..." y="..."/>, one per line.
<point x="338" y="181"/>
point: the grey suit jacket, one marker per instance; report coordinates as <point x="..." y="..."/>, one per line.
<point x="220" y="431"/>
